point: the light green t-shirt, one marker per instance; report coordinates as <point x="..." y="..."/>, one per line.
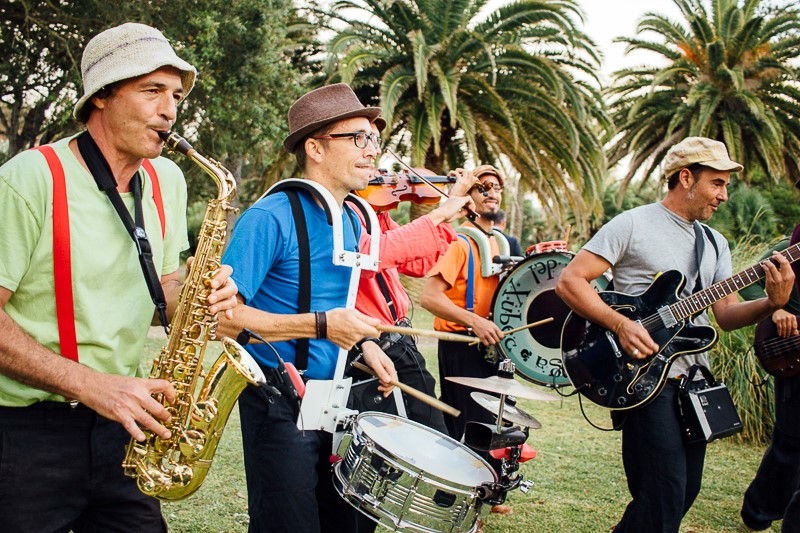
<point x="112" y="305"/>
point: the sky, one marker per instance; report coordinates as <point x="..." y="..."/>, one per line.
<point x="608" y="19"/>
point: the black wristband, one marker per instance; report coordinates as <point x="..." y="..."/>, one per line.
<point x="321" y="321"/>
<point x="359" y="344"/>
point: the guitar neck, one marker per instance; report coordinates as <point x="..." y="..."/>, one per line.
<point x="705" y="298"/>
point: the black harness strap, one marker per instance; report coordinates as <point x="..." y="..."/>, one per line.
<point x="304" y="256"/>
<point x="304" y="294"/>
<point x="386" y="294"/>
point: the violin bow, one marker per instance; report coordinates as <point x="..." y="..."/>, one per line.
<point x="472" y="215"/>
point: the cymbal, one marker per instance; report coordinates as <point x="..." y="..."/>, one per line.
<point x="510" y="412"/>
<point x="500" y="385"/>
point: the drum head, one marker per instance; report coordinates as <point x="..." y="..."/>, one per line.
<point x="426" y="449"/>
<point x="527" y="294"/>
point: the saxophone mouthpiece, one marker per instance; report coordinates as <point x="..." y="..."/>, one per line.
<point x="175" y="142"/>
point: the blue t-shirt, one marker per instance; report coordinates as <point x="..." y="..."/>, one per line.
<point x="263" y="252"/>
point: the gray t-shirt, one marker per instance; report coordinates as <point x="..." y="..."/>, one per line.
<point x="645" y="241"/>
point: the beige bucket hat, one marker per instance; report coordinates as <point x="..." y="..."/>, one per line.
<point x="125" y="52"/>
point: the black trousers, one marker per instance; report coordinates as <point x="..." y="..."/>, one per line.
<point x="458" y="359"/>
<point x="411" y="370"/>
<point x="61" y="470"/>
<point x="774" y="493"/>
<point x="664" y="474"/>
<point x="288" y="471"/>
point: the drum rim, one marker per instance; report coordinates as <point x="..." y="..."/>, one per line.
<point x="424" y="474"/>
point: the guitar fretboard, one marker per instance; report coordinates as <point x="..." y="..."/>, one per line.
<point x="700" y="300"/>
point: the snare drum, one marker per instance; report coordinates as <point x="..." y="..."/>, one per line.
<point x="406" y="476"/>
<point x="527" y="294"/>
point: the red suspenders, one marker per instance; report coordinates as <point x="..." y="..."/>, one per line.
<point x="62" y="256"/>
<point x="148" y="167"/>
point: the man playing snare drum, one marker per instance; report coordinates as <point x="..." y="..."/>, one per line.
<point x="288" y="470"/>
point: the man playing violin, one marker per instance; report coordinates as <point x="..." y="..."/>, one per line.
<point x="411" y="250"/>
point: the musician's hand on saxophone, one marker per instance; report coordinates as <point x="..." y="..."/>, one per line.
<point x="223" y="290"/>
<point x="130" y="402"/>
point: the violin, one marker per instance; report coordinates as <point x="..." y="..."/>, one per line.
<point x="387" y="189"/>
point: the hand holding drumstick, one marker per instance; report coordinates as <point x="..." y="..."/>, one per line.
<point x="527" y="326"/>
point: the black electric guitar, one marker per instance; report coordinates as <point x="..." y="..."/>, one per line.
<point x="600" y="369"/>
<point x="780" y="356"/>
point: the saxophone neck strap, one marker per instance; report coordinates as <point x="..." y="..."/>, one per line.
<point x="101" y="172"/>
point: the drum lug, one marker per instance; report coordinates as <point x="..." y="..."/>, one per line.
<point x="344" y="444"/>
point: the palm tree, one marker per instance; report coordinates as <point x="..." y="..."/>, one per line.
<point x="515" y="86"/>
<point x="728" y="76"/>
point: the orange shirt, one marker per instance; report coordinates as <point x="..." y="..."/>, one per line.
<point x="452" y="267"/>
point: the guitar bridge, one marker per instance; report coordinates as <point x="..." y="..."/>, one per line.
<point x="667" y="318"/>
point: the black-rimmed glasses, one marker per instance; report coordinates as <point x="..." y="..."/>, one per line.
<point x="360" y="138"/>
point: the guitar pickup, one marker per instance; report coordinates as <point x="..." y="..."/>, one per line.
<point x="667" y="318"/>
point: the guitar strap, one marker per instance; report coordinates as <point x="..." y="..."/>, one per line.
<point x="699" y="247"/>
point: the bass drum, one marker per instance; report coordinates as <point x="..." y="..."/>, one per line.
<point x="526" y="295"/>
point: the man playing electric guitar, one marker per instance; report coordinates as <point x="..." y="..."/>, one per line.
<point x="664" y="474"/>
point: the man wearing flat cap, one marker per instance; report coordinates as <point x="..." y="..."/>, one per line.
<point x="664" y="474"/>
<point x="289" y="481"/>
<point x="74" y="304"/>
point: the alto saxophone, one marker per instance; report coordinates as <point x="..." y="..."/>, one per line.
<point x="174" y="468"/>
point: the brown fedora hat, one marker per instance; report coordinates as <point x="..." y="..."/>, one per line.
<point x="322" y="106"/>
<point x="380" y="123"/>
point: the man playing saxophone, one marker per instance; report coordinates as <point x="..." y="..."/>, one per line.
<point x="71" y="389"/>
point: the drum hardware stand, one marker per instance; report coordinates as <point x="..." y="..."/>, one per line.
<point x="506" y="444"/>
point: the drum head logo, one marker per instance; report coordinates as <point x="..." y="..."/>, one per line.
<point x="528" y="295"/>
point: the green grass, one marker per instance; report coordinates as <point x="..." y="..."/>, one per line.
<point x="579" y="484"/>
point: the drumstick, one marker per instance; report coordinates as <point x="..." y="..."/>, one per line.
<point x="411" y="391"/>
<point x="566" y="237"/>
<point x="527" y="326"/>
<point x="443" y="335"/>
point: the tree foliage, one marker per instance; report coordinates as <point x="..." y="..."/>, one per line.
<point x="746" y="213"/>
<point x="728" y="75"/>
<point x="460" y="82"/>
<point x="236" y="112"/>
